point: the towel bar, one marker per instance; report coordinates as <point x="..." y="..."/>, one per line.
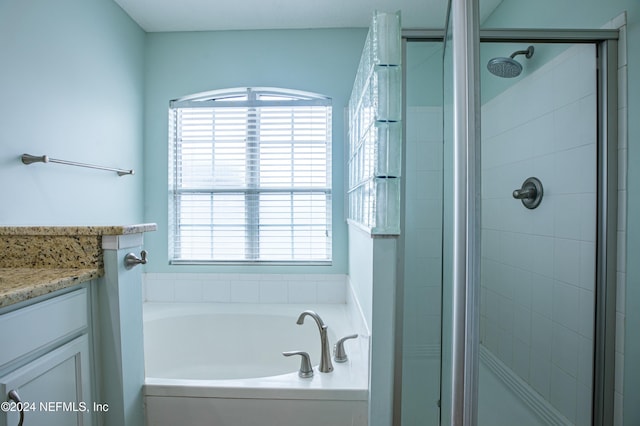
<point x="29" y="159"/>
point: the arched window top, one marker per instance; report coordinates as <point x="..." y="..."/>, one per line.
<point x="251" y="96"/>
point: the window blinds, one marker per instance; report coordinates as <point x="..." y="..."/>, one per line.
<point x="251" y="180"/>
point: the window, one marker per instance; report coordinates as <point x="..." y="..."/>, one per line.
<point x="250" y="177"/>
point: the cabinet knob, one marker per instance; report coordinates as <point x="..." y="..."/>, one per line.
<point x="13" y="395"/>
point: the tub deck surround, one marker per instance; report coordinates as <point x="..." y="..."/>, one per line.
<point x="37" y="260"/>
<point x="340" y="385"/>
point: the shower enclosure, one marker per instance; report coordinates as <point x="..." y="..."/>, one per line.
<point x="508" y="232"/>
<point x="538" y="232"/>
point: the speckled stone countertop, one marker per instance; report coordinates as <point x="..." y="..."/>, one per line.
<point x="77" y="230"/>
<point x="66" y="247"/>
<point x="20" y="284"/>
<point x="36" y="260"/>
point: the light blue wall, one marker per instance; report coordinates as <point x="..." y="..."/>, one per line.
<point x="179" y="64"/>
<point x="593" y="14"/>
<point x="71" y="83"/>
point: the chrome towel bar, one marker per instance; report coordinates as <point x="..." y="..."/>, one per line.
<point x="29" y="159"/>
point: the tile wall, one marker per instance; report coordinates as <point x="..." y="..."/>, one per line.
<point x="423" y="225"/>
<point x="422" y="265"/>
<point x="245" y="288"/>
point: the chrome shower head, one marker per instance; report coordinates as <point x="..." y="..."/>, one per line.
<point x="508" y="67"/>
<point x="504" y="67"/>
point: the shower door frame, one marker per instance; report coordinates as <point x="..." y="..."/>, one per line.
<point x="466" y="283"/>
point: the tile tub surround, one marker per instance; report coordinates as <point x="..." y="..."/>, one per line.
<point x="245" y="288"/>
<point x="36" y="260"/>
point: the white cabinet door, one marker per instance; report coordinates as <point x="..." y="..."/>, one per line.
<point x="54" y="388"/>
<point x="42" y="325"/>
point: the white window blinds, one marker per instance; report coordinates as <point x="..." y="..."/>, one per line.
<point x="251" y="177"/>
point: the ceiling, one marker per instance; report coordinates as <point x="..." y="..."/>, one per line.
<point x="213" y="15"/>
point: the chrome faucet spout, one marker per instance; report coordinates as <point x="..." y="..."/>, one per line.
<point x="313" y="315"/>
<point x="325" y="357"/>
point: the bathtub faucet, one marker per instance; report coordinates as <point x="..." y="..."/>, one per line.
<point x="325" y="357"/>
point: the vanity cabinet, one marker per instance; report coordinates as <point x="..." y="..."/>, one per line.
<point x="45" y="359"/>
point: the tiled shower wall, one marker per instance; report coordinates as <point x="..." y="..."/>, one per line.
<point x="422" y="265"/>
<point x="423" y="224"/>
<point x="538" y="266"/>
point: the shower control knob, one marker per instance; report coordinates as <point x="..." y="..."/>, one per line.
<point x="530" y="194"/>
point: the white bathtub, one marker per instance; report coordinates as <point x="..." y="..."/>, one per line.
<point x="222" y="365"/>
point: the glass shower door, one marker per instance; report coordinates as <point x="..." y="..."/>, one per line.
<point x="528" y="315"/>
<point x="538" y="230"/>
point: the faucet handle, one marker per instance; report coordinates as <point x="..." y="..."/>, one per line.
<point x="339" y="354"/>
<point x="306" y="370"/>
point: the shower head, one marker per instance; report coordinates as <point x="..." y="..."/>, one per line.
<point x="508" y="67"/>
<point x="504" y="67"/>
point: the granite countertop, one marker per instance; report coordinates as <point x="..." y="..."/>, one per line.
<point x="19" y="284"/>
<point x="78" y="230"/>
<point x="36" y="260"/>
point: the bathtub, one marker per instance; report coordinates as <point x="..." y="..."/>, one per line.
<point x="222" y="365"/>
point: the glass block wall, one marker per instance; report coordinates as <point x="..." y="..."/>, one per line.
<point x="375" y="129"/>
